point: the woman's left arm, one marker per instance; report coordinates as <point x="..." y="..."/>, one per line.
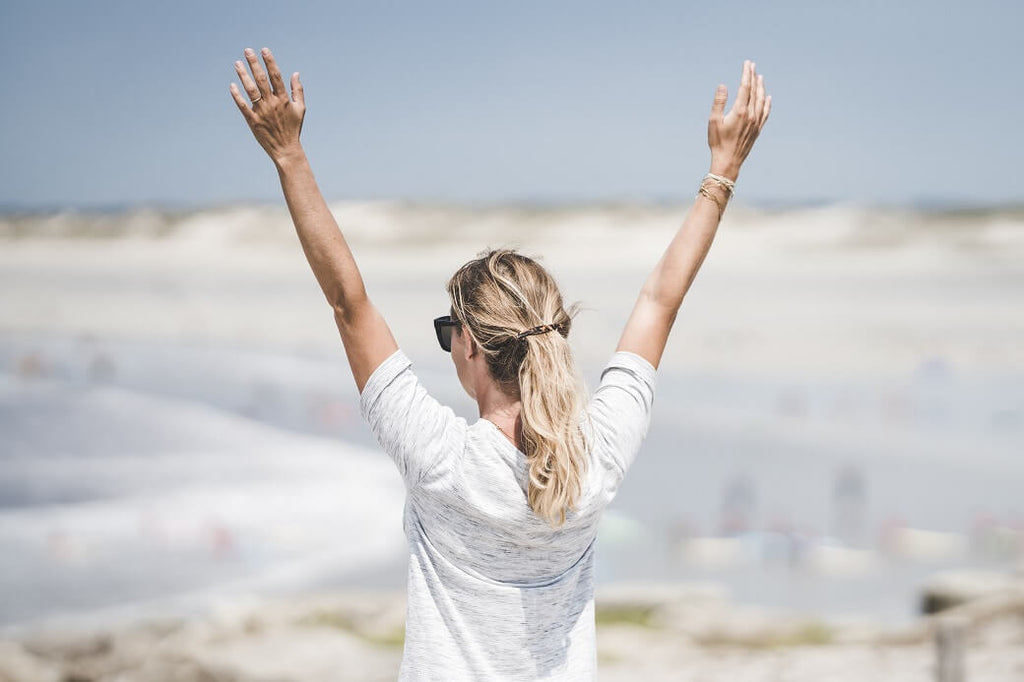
<point x="275" y="119"/>
<point x="731" y="136"/>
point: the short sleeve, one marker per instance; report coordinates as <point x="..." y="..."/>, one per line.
<point x="419" y="434"/>
<point x="620" y="412"/>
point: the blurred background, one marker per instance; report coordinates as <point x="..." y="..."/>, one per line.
<point x="840" y="411"/>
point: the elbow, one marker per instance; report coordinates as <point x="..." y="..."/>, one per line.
<point x="667" y="305"/>
<point x="339" y="304"/>
<point x="342" y="314"/>
<point x="346" y="310"/>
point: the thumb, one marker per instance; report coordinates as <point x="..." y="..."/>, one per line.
<point x="297" y="95"/>
<point x="718" y="106"/>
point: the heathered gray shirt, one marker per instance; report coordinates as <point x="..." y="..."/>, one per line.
<point x="495" y="593"/>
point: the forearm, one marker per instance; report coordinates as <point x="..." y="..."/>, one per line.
<point x="322" y="241"/>
<point x="654" y="314"/>
<point x="672" y="276"/>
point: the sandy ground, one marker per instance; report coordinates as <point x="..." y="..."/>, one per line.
<point x="837" y="289"/>
<point x="649" y="632"/>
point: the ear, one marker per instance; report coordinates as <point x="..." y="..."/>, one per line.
<point x="471" y="348"/>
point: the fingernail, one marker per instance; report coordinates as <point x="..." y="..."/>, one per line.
<point x="265" y="50"/>
<point x="238" y="64"/>
<point x="249" y="51"/>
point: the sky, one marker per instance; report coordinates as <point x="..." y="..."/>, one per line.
<point x="127" y="103"/>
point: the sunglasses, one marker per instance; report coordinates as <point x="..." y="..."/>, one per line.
<point x="443" y="326"/>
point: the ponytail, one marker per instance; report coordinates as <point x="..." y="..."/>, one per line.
<point x="514" y="310"/>
<point x="553" y="442"/>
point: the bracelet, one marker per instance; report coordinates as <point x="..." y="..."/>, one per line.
<point x="722" y="182"/>
<point x="703" y="191"/>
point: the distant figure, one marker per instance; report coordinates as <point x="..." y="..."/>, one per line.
<point x="31" y="366"/>
<point x="102" y="368"/>
<point x="848" y="502"/>
<point x="791" y="403"/>
<point x="739" y="500"/>
<point x="501" y="514"/>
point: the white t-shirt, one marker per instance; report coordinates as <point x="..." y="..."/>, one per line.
<point x="494" y="592"/>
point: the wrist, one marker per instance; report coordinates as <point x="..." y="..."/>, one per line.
<point x="289" y="158"/>
<point x="725" y="169"/>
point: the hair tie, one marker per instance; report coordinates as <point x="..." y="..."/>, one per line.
<point x="540" y="329"/>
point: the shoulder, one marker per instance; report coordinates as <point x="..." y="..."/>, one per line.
<point x="628" y="361"/>
<point x="382" y="377"/>
<point x="628" y="371"/>
<point x="418" y="432"/>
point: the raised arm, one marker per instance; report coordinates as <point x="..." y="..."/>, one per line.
<point x="730" y="136"/>
<point x="275" y="118"/>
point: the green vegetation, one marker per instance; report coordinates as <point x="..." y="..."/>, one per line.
<point x="393" y="638"/>
<point x="629" y="615"/>
<point x="810" y="633"/>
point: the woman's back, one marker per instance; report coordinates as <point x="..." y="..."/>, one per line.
<point x="496" y="592"/>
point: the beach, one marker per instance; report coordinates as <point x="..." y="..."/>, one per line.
<point x="839" y="418"/>
<point x="649" y="631"/>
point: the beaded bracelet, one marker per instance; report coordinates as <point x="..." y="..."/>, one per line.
<point x="722" y="182"/>
<point x="703" y="191"/>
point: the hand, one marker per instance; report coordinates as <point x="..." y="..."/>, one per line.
<point x="274" y="117"/>
<point x="731" y="136"/>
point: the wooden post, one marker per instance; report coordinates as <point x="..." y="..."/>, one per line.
<point x="950" y="647"/>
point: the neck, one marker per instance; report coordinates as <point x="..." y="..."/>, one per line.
<point x="502" y="410"/>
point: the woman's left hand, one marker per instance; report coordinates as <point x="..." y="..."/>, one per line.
<point x="274" y="117"/>
<point x="731" y="135"/>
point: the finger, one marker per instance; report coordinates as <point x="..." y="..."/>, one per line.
<point x="752" y="97"/>
<point x="743" y="94"/>
<point x="759" y="98"/>
<point x="243" y="106"/>
<point x="298" y="95"/>
<point x="247" y="81"/>
<point x="275" y="73"/>
<point x="258" y="74"/>
<point x="767" y="110"/>
<point x="718" y="105"/>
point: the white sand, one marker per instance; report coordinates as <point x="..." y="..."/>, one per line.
<point x="837" y="289"/>
<point x="650" y="633"/>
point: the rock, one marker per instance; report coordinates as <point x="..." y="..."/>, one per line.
<point x="947" y="589"/>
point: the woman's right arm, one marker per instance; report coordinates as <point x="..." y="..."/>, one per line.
<point x="731" y="137"/>
<point x="275" y="119"/>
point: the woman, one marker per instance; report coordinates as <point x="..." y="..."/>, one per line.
<point x="501" y="515"/>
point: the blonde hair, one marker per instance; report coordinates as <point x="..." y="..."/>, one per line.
<point x="498" y="296"/>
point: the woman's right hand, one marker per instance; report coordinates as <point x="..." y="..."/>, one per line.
<point x="731" y="136"/>
<point x="274" y="117"/>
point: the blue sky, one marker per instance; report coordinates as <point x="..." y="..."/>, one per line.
<point x="113" y="103"/>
